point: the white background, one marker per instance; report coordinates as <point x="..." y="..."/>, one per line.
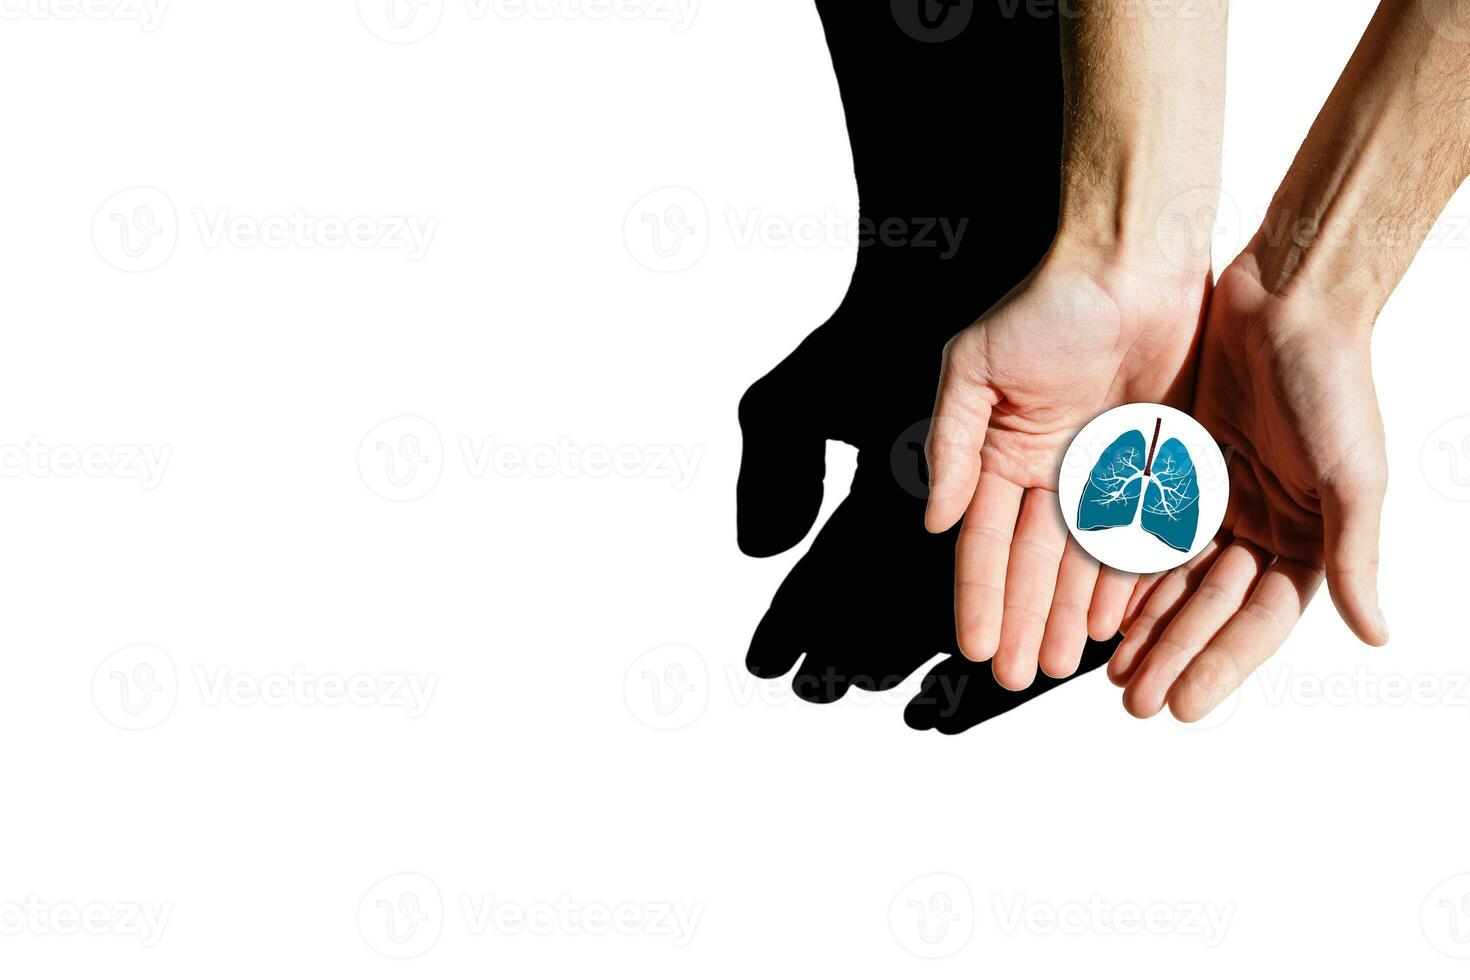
<point x="1320" y="822"/>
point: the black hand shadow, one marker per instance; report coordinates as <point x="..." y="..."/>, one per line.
<point x="954" y="112"/>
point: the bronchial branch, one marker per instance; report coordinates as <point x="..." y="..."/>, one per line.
<point x="1122" y="471"/>
<point x="1177" y="490"/>
<point x="1175" y="483"/>
<point x="1162" y="493"/>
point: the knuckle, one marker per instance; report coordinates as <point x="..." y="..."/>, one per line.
<point x="1021" y="614"/>
<point x="1172" y="648"/>
<point x="1035" y="548"/>
<point x="986" y="533"/>
<point x="1262" y="613"/>
<point x="1215" y="594"/>
<point x="1069" y="607"/>
<point x="1142" y="624"/>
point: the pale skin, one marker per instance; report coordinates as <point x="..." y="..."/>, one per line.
<point x="1112" y="315"/>
<point x="1277" y="368"/>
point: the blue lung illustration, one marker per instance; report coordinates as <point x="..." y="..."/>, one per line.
<point x="1171" y="501"/>
<point x="1110" y="496"/>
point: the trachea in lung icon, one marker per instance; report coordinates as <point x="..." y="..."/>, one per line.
<point x="1137" y="480"/>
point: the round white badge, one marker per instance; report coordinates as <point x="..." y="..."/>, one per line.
<point x="1143" y="488"/>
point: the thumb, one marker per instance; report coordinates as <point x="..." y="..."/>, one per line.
<point x="956" y="435"/>
<point x="1352" y="513"/>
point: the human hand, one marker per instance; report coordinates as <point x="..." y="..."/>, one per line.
<point x="1084" y="333"/>
<point x="872" y="600"/>
<point x="1286" y="386"/>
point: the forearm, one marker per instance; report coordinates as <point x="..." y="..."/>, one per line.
<point x="1380" y="163"/>
<point x="1144" y="111"/>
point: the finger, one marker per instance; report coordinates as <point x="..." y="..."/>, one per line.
<point x="1066" y="624"/>
<point x="782" y="463"/>
<point x="776" y="646"/>
<point x="1169" y="593"/>
<point x="1247" y="641"/>
<point x="1031" y="579"/>
<point x="1109" y="599"/>
<point x="1141" y="592"/>
<point x="1352" y="517"/>
<point x="956" y="435"/>
<point x="980" y="565"/>
<point x="783" y="634"/>
<point x="1220" y="595"/>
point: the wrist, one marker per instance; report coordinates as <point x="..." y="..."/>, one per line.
<point x="1165" y="229"/>
<point x="1126" y="262"/>
<point x="1300" y="310"/>
<point x="1327" y="244"/>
